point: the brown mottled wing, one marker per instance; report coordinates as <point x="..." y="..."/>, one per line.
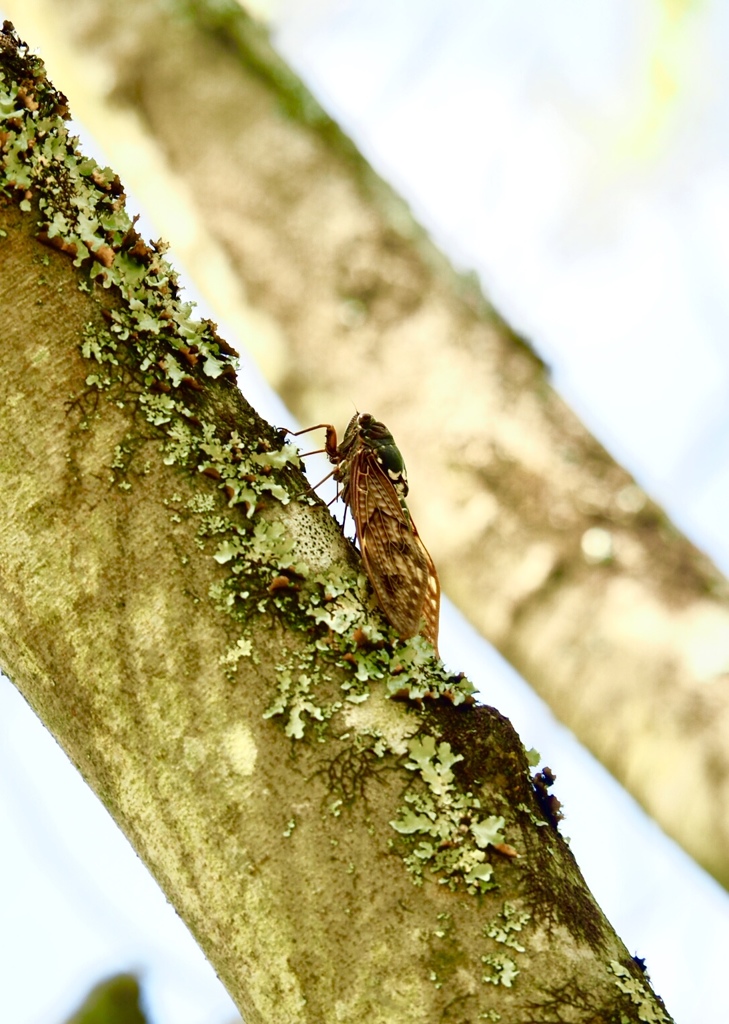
<point x="397" y="563"/>
<point x="431" y="603"/>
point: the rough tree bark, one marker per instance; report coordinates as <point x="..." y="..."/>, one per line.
<point x="542" y="540"/>
<point x="205" y="648"/>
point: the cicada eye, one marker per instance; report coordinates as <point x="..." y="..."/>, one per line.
<point x="373" y="430"/>
<point x="330" y="444"/>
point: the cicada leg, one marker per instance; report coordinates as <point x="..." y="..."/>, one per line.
<point x="330" y="449"/>
<point x="331" y="452"/>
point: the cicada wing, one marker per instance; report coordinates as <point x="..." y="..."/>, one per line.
<point x="368" y="488"/>
<point x="431" y="602"/>
<point x="396" y="570"/>
<point x="397" y="563"/>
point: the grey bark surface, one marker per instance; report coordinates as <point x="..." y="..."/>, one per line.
<point x="631" y="649"/>
<point x="275" y="846"/>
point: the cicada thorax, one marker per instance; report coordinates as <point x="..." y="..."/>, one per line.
<point x="371" y="473"/>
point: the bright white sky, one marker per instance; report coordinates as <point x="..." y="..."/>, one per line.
<point x="576" y="156"/>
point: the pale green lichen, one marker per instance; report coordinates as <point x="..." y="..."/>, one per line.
<point x="525" y="809"/>
<point x="648" y="1010"/>
<point x="242" y="648"/>
<point x="504" y="929"/>
<point x="457" y="835"/>
<point x="99" y="345"/>
<point x="503" y="970"/>
<point x="506" y="926"/>
<point x="294" y="697"/>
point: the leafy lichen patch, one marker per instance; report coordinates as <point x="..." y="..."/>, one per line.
<point x="507" y="925"/>
<point x="445" y="827"/>
<point x="642" y="999"/>
<point x="501" y="970"/>
<point x="500" y="967"/>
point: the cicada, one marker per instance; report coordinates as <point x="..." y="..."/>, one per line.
<point x="371" y="472"/>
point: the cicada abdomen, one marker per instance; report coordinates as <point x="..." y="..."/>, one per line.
<point x="370" y="469"/>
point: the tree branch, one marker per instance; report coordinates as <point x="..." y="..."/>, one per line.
<point x="241" y="730"/>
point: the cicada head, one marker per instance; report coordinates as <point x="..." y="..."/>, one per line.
<point x="376" y="436"/>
